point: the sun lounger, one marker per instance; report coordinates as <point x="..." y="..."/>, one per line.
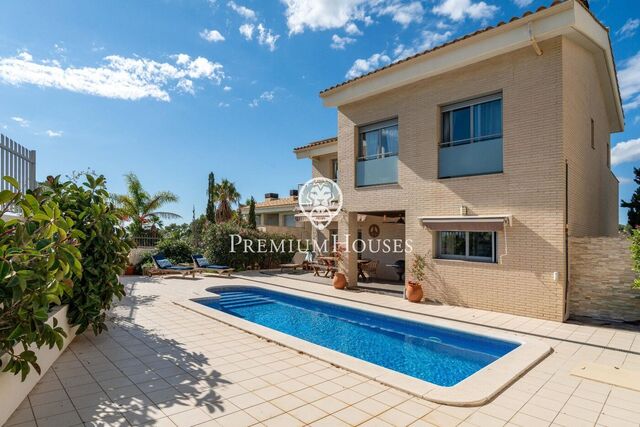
<point x="202" y="263"/>
<point x="298" y="261"/>
<point x="164" y="266"/>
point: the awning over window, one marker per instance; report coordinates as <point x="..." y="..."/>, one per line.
<point x="466" y="222"/>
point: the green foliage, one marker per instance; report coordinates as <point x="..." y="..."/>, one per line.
<point x="177" y="250"/>
<point x="252" y="214"/>
<point x="635" y="255"/>
<point x="417" y="268"/>
<point x="217" y="247"/>
<point x="38" y="259"/>
<point x="176" y="231"/>
<point x="104" y="247"/>
<point x="142" y="208"/>
<point x="226" y="195"/>
<point x="633" y="214"/>
<point x="211" y="199"/>
<point x="198" y="227"/>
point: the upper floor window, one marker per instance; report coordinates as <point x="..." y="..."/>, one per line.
<point x="471" y="140"/>
<point x="334" y="169"/>
<point x="467" y="245"/>
<point x="289" y="221"/>
<point x="377" y="161"/>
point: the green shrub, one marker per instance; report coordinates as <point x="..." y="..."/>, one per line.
<point x="635" y="255"/>
<point x="38" y="259"/>
<point x="177" y="250"/>
<point x="217" y="247"/>
<point x="104" y="247"/>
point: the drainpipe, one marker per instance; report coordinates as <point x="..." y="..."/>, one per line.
<point x="534" y="42"/>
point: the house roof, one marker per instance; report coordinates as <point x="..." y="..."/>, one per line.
<point x="274" y="203"/>
<point x="318" y="143"/>
<point x="585" y="3"/>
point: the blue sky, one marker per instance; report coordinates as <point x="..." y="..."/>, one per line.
<point x="173" y="89"/>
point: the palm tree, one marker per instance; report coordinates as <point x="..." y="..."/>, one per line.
<point x="226" y="195"/>
<point x="141" y="208"/>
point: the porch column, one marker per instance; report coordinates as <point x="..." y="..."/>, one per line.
<point x="348" y="232"/>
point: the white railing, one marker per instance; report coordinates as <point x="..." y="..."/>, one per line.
<point x="18" y="162"/>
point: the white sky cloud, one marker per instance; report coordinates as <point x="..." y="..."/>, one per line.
<point x="629" y="77"/>
<point x="22" y="122"/>
<point x="54" y="133"/>
<point x="523" y="3"/>
<point x="212" y="36"/>
<point x="428" y="40"/>
<point x="624" y="180"/>
<point x="321" y="14"/>
<point x="223" y="104"/>
<point x="340" y="43"/>
<point x="243" y="11"/>
<point x="352" y="29"/>
<point x="119" y="77"/>
<point x="268" y="96"/>
<point x="266" y="37"/>
<point x="227" y="88"/>
<point x="627" y="151"/>
<point x="457" y="10"/>
<point x="247" y="31"/>
<point x="363" y="66"/>
<point x="629" y="28"/>
<point x="404" y="13"/>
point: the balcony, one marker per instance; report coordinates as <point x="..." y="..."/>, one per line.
<point x="476" y="157"/>
<point x="377" y="170"/>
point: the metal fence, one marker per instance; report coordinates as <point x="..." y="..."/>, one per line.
<point x="145" y="241"/>
<point x="18" y="162"/>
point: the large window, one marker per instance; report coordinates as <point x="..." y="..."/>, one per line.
<point x="467" y="245"/>
<point x="289" y="221"/>
<point x="377" y="161"/>
<point x="471" y="140"/>
<point x="334" y="170"/>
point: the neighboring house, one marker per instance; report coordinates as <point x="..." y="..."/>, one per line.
<point x="490" y="151"/>
<point x="278" y="215"/>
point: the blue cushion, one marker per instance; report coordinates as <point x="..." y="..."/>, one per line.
<point x="177" y="267"/>
<point x="201" y="261"/>
<point x="163" y="262"/>
<point x="218" y="267"/>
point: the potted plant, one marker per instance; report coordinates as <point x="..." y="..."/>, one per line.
<point x="413" y="289"/>
<point x="339" y="278"/>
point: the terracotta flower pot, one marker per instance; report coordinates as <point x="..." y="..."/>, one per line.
<point x="130" y="270"/>
<point x="339" y="281"/>
<point x="414" y="292"/>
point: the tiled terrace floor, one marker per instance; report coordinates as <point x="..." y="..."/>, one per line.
<point x="160" y="364"/>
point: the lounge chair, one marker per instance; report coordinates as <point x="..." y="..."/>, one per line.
<point x="203" y="264"/>
<point x="298" y="261"/>
<point x="164" y="266"/>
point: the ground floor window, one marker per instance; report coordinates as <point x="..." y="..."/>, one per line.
<point x="467" y="245"/>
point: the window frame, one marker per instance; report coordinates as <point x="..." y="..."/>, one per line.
<point x="593" y="134"/>
<point x="450" y="108"/>
<point x="487" y="260"/>
<point x="377" y="126"/>
<point x="334" y="170"/>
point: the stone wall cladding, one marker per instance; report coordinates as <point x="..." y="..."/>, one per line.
<point x="601" y="279"/>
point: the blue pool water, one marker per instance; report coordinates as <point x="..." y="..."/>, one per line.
<point x="438" y="355"/>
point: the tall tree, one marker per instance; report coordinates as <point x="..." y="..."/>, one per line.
<point x="633" y="214"/>
<point x="142" y="208"/>
<point x="252" y="213"/>
<point x="227" y="196"/>
<point x="211" y="199"/>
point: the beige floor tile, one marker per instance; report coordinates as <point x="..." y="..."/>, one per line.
<point x="288" y="402"/>
<point x="264" y="411"/>
<point x="352" y="415"/>
<point x="68" y="419"/>
<point x="190" y="418"/>
<point x="330" y="404"/>
<point x="237" y="419"/>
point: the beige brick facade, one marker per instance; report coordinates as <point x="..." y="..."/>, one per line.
<point x="546" y="112"/>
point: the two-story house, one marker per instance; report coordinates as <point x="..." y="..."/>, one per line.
<point x="277" y="214"/>
<point x="492" y="149"/>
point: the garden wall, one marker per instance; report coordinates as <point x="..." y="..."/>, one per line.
<point x="601" y="278"/>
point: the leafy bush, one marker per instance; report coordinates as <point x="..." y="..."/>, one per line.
<point x="635" y="254"/>
<point x="177" y="250"/>
<point x="103" y="244"/>
<point x="38" y="259"/>
<point x="217" y="247"/>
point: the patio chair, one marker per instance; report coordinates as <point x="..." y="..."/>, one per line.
<point x="371" y="269"/>
<point x="298" y="261"/>
<point x="203" y="264"/>
<point x="164" y="266"/>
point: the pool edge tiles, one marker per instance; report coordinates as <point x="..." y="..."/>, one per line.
<point x="475" y="390"/>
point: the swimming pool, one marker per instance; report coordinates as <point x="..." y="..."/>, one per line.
<point x="431" y="353"/>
